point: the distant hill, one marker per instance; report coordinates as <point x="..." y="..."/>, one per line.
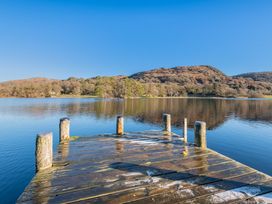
<point x="30" y="80"/>
<point x="182" y="75"/>
<point x="257" y="76"/>
<point x="199" y="80"/>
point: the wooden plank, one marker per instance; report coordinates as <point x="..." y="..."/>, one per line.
<point x="71" y="180"/>
<point x="194" y="158"/>
<point x="90" y="167"/>
<point x="130" y="194"/>
<point x="102" y="179"/>
<point x="143" y="167"/>
<point x="125" y="153"/>
<point x="125" y="194"/>
<point x="127" y="150"/>
<point x="182" y="193"/>
<point x="236" y="195"/>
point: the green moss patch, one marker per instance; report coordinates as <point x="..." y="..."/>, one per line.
<point x="73" y="138"/>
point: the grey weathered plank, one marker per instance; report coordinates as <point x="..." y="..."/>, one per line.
<point x="142" y="167"/>
<point x="96" y="178"/>
<point x="181" y="193"/>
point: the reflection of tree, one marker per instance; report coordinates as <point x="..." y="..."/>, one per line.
<point x="214" y="112"/>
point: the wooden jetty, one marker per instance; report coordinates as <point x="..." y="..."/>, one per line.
<point x="143" y="167"/>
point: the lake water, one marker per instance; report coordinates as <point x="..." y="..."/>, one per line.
<point x="240" y="129"/>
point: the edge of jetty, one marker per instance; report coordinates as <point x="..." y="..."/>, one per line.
<point x="155" y="166"/>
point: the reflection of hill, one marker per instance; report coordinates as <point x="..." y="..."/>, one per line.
<point x="151" y="110"/>
<point x="213" y="111"/>
<point x="254" y="110"/>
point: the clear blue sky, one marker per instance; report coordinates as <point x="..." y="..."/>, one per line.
<point x="85" y="38"/>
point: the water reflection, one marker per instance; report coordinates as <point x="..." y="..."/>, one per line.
<point x="119" y="146"/>
<point x="213" y="111"/>
<point x="63" y="150"/>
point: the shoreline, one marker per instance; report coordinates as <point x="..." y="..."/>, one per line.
<point x="168" y="97"/>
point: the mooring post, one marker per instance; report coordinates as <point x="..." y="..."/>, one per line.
<point x="167" y="123"/>
<point x="200" y="134"/>
<point x="185" y="130"/>
<point x="44" y="151"/>
<point x="64" y="130"/>
<point x="120" y="125"/>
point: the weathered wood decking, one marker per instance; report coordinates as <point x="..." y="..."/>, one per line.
<point x="144" y="167"/>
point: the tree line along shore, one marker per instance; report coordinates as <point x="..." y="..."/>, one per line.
<point x="197" y="81"/>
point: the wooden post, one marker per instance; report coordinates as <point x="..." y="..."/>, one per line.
<point x="200" y="134"/>
<point x="167" y="122"/>
<point x="44" y="151"/>
<point x="185" y="131"/>
<point x="64" y="130"/>
<point x="120" y="125"/>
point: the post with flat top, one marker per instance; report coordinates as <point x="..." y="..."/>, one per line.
<point x="44" y="151"/>
<point x="185" y="130"/>
<point x="120" y="125"/>
<point x="167" y="123"/>
<point x="200" y="134"/>
<point x="64" y="130"/>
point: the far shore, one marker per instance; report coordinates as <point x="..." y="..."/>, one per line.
<point x="150" y="97"/>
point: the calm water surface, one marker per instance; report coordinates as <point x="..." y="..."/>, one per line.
<point x="240" y="129"/>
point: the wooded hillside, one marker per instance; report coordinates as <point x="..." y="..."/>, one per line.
<point x="171" y="82"/>
<point x="258" y="76"/>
